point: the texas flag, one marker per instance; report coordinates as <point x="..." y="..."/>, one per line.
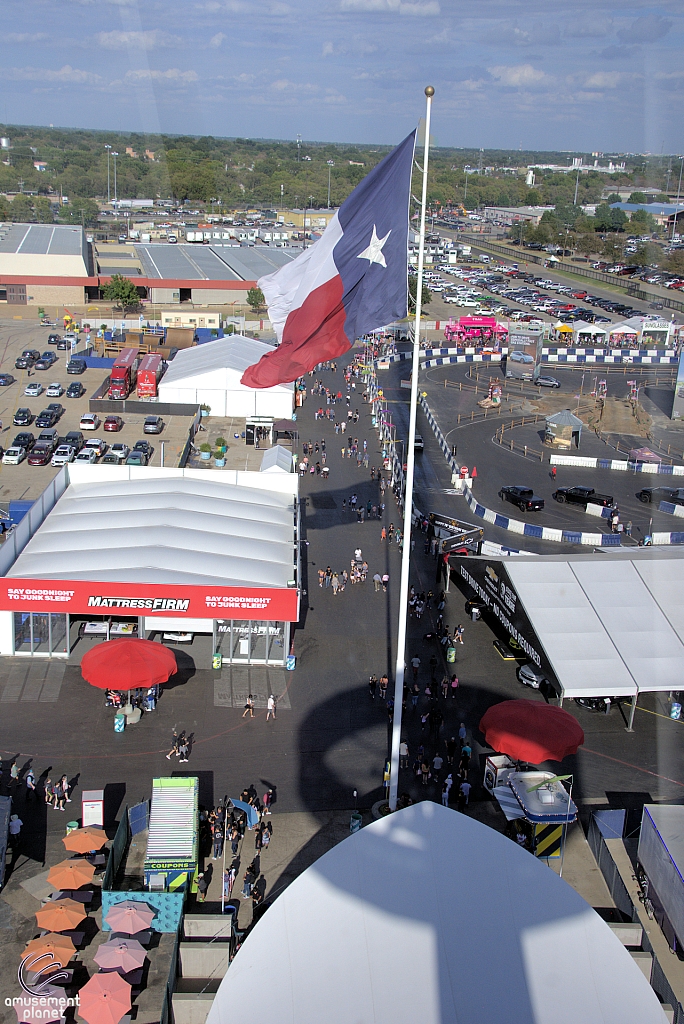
<point x="351" y="281"/>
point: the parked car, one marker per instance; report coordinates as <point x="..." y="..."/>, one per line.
<point x="54" y="390"/>
<point x="75" y="440"/>
<point x="53" y="338"/>
<point x="110" y="459"/>
<point x="42" y="364"/>
<point x="547" y="382"/>
<point x="90" y="421"/>
<point x="583" y="496"/>
<point x="63" y="345"/>
<point x="24" y="362"/>
<point x="675" y="495"/>
<point x="33" y="390"/>
<point x="65" y="453"/>
<point x="144" y="446"/>
<point x="75" y="390"/>
<point x="46" y="418"/>
<point x="113" y="423"/>
<point x="40" y="455"/>
<point x="523" y="497"/>
<point x="153" y="425"/>
<point x="49" y="357"/>
<point x="97" y="445"/>
<point x="24" y="439"/>
<point x="49" y="436"/>
<point x="13" y="456"/>
<point x="88" y="455"/>
<point x="119" y="450"/>
<point x="137" y="458"/>
<point x="419" y="444"/>
<point x="22" y="418"/>
<point x="599" y="704"/>
<point x="76" y="366"/>
<point x="6" y="379"/>
<point x="57" y="408"/>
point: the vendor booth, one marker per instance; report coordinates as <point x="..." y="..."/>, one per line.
<point x="173" y="836"/>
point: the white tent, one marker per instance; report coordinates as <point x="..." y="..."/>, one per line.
<point x="277" y="460"/>
<point x="210" y="375"/>
<point x="431" y="916"/>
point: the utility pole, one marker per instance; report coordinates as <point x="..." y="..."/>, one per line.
<point x="115" y="156"/>
<point x="574" y="202"/>
<point x="679" y="192"/>
<point x="331" y="164"/>
<point x="109" y="197"/>
<point x="299" y="146"/>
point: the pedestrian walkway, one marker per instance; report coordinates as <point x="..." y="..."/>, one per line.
<point x="31" y="680"/>
<point x="237" y="682"/>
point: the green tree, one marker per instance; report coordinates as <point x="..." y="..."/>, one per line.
<point x="255" y="298"/>
<point x="638" y="197"/>
<point x="122" y="291"/>
<point x="80" y="211"/>
<point x="586" y="244"/>
<point x="22" y="209"/>
<point x="643" y="222"/>
<point x="675" y="262"/>
<point x="413" y="290"/>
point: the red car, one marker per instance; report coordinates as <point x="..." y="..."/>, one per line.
<point x="113" y="423"/>
<point x="580" y="294"/>
<point x="40" y="455"/>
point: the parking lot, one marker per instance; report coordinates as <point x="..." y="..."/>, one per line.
<point x="23" y="481"/>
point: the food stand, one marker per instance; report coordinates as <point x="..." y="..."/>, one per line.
<point x="540" y="798"/>
<point x="173" y="836"/>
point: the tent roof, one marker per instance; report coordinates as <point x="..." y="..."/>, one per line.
<point x="164" y="530"/>
<point x="584" y="325"/>
<point x="232" y="353"/>
<point x="276" y="459"/>
<point x="428" y="915"/>
<point x="564" y="418"/>
<point x="609" y="624"/>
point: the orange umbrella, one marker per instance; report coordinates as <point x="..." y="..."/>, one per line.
<point x="60" y="946"/>
<point x="83" y="840"/>
<point x="105" y="999"/>
<point x="71" y="874"/>
<point x="59" y="915"/>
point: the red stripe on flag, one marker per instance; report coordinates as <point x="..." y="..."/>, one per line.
<point x="312" y="334"/>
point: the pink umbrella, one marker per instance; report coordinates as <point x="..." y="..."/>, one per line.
<point x="123" y="954"/>
<point x="105" y="999"/>
<point x="130" y="917"/>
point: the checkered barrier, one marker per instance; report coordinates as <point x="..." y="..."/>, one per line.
<point x="492" y="550"/>
<point x="599" y="357"/>
<point x="623" y="465"/>
<point x="604" y="540"/>
<point x="671" y="509"/>
<point x="599" y="510"/>
<point x="667" y="538"/>
<point x="434" y="426"/>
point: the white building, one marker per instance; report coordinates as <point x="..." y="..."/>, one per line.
<point x="210" y="375"/>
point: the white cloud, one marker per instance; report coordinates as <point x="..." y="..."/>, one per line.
<point x="216" y="40"/>
<point x="603" y="80"/>
<point x="327" y="49"/>
<point x="417" y="8"/>
<point x="647" y="29"/>
<point x="517" y="75"/>
<point x="151" y="40"/>
<point x="64" y="74"/>
<point x="171" y="77"/>
<point x="332" y="96"/>
<point x="284" y="85"/>
<point x="24" y="37"/>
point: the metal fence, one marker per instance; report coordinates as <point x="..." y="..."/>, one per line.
<point x="166" y="1016"/>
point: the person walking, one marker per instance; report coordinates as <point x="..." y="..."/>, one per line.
<point x="445" y="795"/>
<point x="463" y="796"/>
<point x="184" y="750"/>
<point x="47" y="791"/>
<point x="403" y="754"/>
<point x="234" y="840"/>
<point x="451" y="750"/>
<point x="372" y="684"/>
<point x="335" y="583"/>
<point x="30" y="781"/>
<point x="229" y="876"/>
<point x="377" y="582"/>
<point x="267" y="801"/>
<point x="384" y="681"/>
<point x="424" y="773"/>
<point x="415" y="665"/>
<point x="271" y="708"/>
<point x="462" y="734"/>
<point x="383" y="534"/>
<point x="202" y="886"/>
<point x="385" y="582"/>
<point x="458" y="634"/>
<point x="249" y="707"/>
<point x="454" y="686"/>
<point x="175" y="742"/>
<point x="415" y="693"/>
<point x="553" y="473"/>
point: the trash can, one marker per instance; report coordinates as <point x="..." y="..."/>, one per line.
<point x="71" y="826"/>
<point x="119" y="722"/>
<point x="290" y="662"/>
<point x="217" y="660"/>
<point x="475" y="614"/>
<point x="675" y="710"/>
<point x="451" y="655"/>
<point x="355" y="822"/>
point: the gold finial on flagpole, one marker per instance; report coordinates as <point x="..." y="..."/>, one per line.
<point x="429" y="90"/>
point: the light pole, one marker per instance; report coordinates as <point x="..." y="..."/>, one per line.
<point x="115" y="156"/>
<point x="679" y="192"/>
<point x="331" y="164"/>
<point x="574" y="202"/>
<point x="109" y="149"/>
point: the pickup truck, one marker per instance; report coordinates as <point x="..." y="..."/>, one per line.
<point x="583" y="496"/>
<point x="524" y="497"/>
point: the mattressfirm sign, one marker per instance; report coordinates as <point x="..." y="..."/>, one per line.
<point x="80" y="597"/>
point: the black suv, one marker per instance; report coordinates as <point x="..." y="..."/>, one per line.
<point x="25" y="439"/>
<point x="76" y="366"/>
<point x="75" y="390"/>
<point x="27" y="359"/>
<point x="675" y="495"/>
<point x="22" y="418"/>
<point x="74" y="438"/>
<point x="583" y="496"/>
<point x="46" y="418"/>
<point x="525" y="499"/>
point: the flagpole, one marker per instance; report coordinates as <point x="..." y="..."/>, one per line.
<point x="408" y="492"/>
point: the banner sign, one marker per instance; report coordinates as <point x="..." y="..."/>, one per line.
<point x="524" y="351"/>
<point x="83" y="597"/>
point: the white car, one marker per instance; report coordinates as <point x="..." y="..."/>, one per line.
<point x="98" y="446"/>
<point x="86" y="455"/>
<point x="33" y="390"/>
<point x="13" y="456"/>
<point x="55" y="391"/>
<point x="90" y="421"/>
<point x="471" y="303"/>
<point x="65" y="453"/>
<point x="121" y="450"/>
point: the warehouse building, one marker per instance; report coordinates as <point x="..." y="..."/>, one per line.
<point x="45" y="263"/>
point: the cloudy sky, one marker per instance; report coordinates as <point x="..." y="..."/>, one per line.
<point x="583" y="74"/>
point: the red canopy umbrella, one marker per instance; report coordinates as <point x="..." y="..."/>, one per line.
<point x="105" y="999"/>
<point x="528" y="730"/>
<point x="128" y="664"/>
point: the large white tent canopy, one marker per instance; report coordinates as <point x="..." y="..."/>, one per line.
<point x="164" y="529"/>
<point x="610" y="624"/>
<point x="431" y="916"/>
<point x="210" y="375"/>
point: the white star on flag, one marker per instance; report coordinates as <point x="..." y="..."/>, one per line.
<point x="374" y="251"/>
